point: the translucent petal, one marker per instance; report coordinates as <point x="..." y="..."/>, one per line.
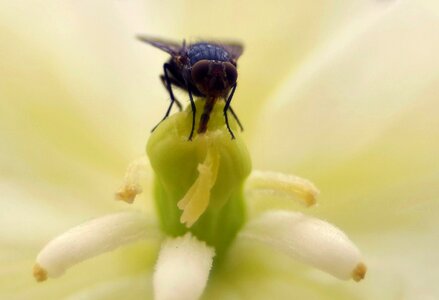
<point x="288" y="32"/>
<point x="352" y="90"/>
<point x="133" y="287"/>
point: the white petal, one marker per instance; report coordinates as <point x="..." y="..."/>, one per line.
<point x="90" y="239"/>
<point x="308" y="240"/>
<point x="281" y="41"/>
<point x="281" y="185"/>
<point x="182" y="269"/>
<point x="352" y="90"/>
<point x="131" y="287"/>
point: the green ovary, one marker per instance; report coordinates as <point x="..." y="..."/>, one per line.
<point x="204" y="177"/>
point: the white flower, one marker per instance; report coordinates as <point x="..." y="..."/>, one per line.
<point x="360" y="109"/>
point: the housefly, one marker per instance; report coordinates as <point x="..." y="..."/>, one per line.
<point x="203" y="69"/>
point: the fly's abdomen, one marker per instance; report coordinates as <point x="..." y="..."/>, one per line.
<point x="200" y="51"/>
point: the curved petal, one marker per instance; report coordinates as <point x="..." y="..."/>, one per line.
<point x="351" y="90"/>
<point x="309" y="240"/>
<point x="255" y="272"/>
<point x="277" y="36"/>
<point x="90" y="239"/>
<point x="361" y="118"/>
<point x="84" y="73"/>
<point x="62" y="118"/>
<point x="132" y="287"/>
<point x="182" y="269"/>
<point x="95" y="276"/>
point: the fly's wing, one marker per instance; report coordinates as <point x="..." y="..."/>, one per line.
<point x="235" y="49"/>
<point x="169" y="47"/>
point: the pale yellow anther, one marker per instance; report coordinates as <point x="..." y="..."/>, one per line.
<point x="359" y="272"/>
<point x="128" y="193"/>
<point x="196" y="199"/>
<point x="284" y="185"/>
<point x="131" y="186"/>
<point x="39" y="273"/>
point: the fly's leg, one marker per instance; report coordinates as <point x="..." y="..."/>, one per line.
<point x="171" y="94"/>
<point x="236" y="118"/>
<point x="226" y="108"/>
<point x="194" y="110"/>
<point x="175" y="83"/>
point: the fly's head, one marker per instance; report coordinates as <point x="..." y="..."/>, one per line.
<point x="214" y="78"/>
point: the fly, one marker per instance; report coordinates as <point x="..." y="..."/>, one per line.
<point x="203" y="69"/>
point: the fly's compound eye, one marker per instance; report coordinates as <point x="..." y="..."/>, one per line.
<point x="231" y="73"/>
<point x="200" y="70"/>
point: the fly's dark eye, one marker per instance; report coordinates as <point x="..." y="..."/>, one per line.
<point x="231" y="73"/>
<point x="200" y="70"/>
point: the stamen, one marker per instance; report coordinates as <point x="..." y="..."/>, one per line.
<point x="131" y="186"/>
<point x="196" y="199"/>
<point x="39" y="273"/>
<point x="359" y="272"/>
<point x="90" y="239"/>
<point x="309" y="240"/>
<point x="282" y="185"/>
<point x="182" y="269"/>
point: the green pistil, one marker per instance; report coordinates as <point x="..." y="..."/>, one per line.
<point x="207" y="172"/>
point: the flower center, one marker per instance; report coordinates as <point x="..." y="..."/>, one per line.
<point x="199" y="183"/>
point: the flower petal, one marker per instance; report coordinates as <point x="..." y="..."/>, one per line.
<point x="182" y="269"/>
<point x="131" y="287"/>
<point x="90" y="239"/>
<point x="350" y="91"/>
<point x="274" y="47"/>
<point x="309" y="240"/>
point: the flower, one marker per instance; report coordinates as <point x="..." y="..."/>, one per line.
<point x="374" y="79"/>
<point x="212" y="213"/>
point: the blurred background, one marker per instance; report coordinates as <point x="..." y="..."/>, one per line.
<point x="344" y="93"/>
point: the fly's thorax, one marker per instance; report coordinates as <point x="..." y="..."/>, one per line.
<point x="207" y="51"/>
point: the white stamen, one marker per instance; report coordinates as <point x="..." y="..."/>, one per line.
<point x="131" y="186"/>
<point x="281" y="185"/>
<point x="196" y="199"/>
<point x="182" y="269"/>
<point x="308" y="240"/>
<point x="90" y="239"/>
